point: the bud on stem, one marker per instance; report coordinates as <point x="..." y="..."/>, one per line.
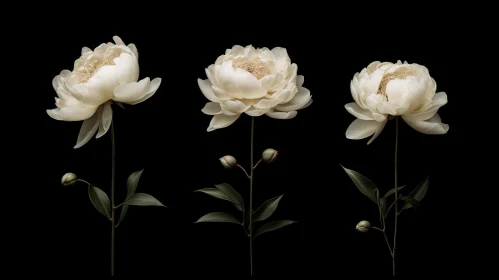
<point x="228" y="161"/>
<point x="69" y="179"/>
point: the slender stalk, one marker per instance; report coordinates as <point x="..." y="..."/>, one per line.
<point x="251" y="197"/>
<point x="396" y="194"/>
<point x="113" y="208"/>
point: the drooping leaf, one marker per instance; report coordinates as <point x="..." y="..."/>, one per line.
<point x="418" y="193"/>
<point x="410" y="200"/>
<point x="271" y="226"/>
<point x="218" y="217"/>
<point x="220" y="195"/>
<point x="364" y="185"/>
<point x="234" y="196"/>
<point x="392" y="191"/>
<point x="382" y="205"/>
<point x="142" y="199"/>
<point x="124" y="210"/>
<point x="266" y="209"/>
<point x="100" y="200"/>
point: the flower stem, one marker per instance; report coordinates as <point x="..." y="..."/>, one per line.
<point x="396" y="194"/>
<point x="113" y="209"/>
<point x="251" y="197"/>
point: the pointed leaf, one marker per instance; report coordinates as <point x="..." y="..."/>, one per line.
<point x="132" y="182"/>
<point x="100" y="201"/>
<point x="418" y="193"/>
<point x="364" y="185"/>
<point x="382" y="205"/>
<point x="410" y="200"/>
<point x="143" y="199"/>
<point x="124" y="210"/>
<point x="266" y="209"/>
<point x="392" y="191"/>
<point x="234" y="196"/>
<point x="220" y="195"/>
<point x="120" y="105"/>
<point x="272" y="226"/>
<point x="218" y="217"/>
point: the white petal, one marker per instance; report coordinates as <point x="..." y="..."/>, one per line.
<point x="353" y="91"/>
<point x="235" y="107"/>
<point x="153" y="87"/>
<point x="78" y="112"/>
<point x="239" y="83"/>
<point x="379" y="117"/>
<point x="301" y="99"/>
<point x="205" y="86"/>
<point x="308" y="104"/>
<point x="212" y="108"/>
<point x="300" y="79"/>
<point x="429" y="111"/>
<point x="266" y="104"/>
<point x="431" y="126"/>
<point x="282" y="115"/>
<point x="282" y="60"/>
<point x="105" y="119"/>
<point x="220" y="94"/>
<point x="133" y="48"/>
<point x="354" y="109"/>
<point x="221" y="121"/>
<point x="377" y="132"/>
<point x="84" y="50"/>
<point x="87" y="130"/>
<point x="118" y="40"/>
<point x="131" y="92"/>
<point x="396" y="90"/>
<point x="256" y="112"/>
<point x="360" y="129"/>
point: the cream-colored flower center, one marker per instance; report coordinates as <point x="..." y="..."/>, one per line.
<point x="92" y="66"/>
<point x="400" y="73"/>
<point x="254" y="66"/>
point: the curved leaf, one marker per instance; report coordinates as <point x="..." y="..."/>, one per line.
<point x="100" y="200"/>
<point x="218" y="217"/>
<point x="364" y="185"/>
<point x="132" y="182"/>
<point x="410" y="200"/>
<point x="142" y="199"/>
<point x="234" y="196"/>
<point x="266" y="209"/>
<point x="220" y="195"/>
<point x="392" y="191"/>
<point x="418" y="193"/>
<point x="124" y="210"/>
<point x="272" y="226"/>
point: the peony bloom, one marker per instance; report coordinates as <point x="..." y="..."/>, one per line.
<point x="99" y="77"/>
<point x="385" y="89"/>
<point x="255" y="82"/>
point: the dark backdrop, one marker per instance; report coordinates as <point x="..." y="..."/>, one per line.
<point x="166" y="136"/>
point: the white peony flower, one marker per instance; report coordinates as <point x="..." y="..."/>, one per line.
<point x="255" y="82"/>
<point x="385" y="89"/>
<point x="108" y="73"/>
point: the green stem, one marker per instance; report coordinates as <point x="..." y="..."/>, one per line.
<point x="251" y="197"/>
<point x="113" y="209"/>
<point x="396" y="194"/>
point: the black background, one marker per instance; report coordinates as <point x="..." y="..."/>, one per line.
<point x="166" y="136"/>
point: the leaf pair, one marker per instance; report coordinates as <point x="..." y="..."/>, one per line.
<point x="369" y="189"/>
<point x="100" y="200"/>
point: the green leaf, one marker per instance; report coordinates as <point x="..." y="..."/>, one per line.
<point x="266" y="209"/>
<point x="234" y="196"/>
<point x="220" y="195"/>
<point x="410" y="200"/>
<point x="382" y="205"/>
<point x="120" y="105"/>
<point x="131" y="184"/>
<point x="418" y="193"/>
<point x="392" y="191"/>
<point x="218" y="217"/>
<point x="364" y="185"/>
<point x="142" y="199"/>
<point x="100" y="201"/>
<point x="272" y="226"/>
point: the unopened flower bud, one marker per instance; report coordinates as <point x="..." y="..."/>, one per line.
<point x="363" y="226"/>
<point x="269" y="155"/>
<point x="69" y="179"/>
<point x="228" y="161"/>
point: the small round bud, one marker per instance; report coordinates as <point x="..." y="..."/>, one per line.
<point x="363" y="226"/>
<point x="269" y="155"/>
<point x="228" y="161"/>
<point x="69" y="179"/>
